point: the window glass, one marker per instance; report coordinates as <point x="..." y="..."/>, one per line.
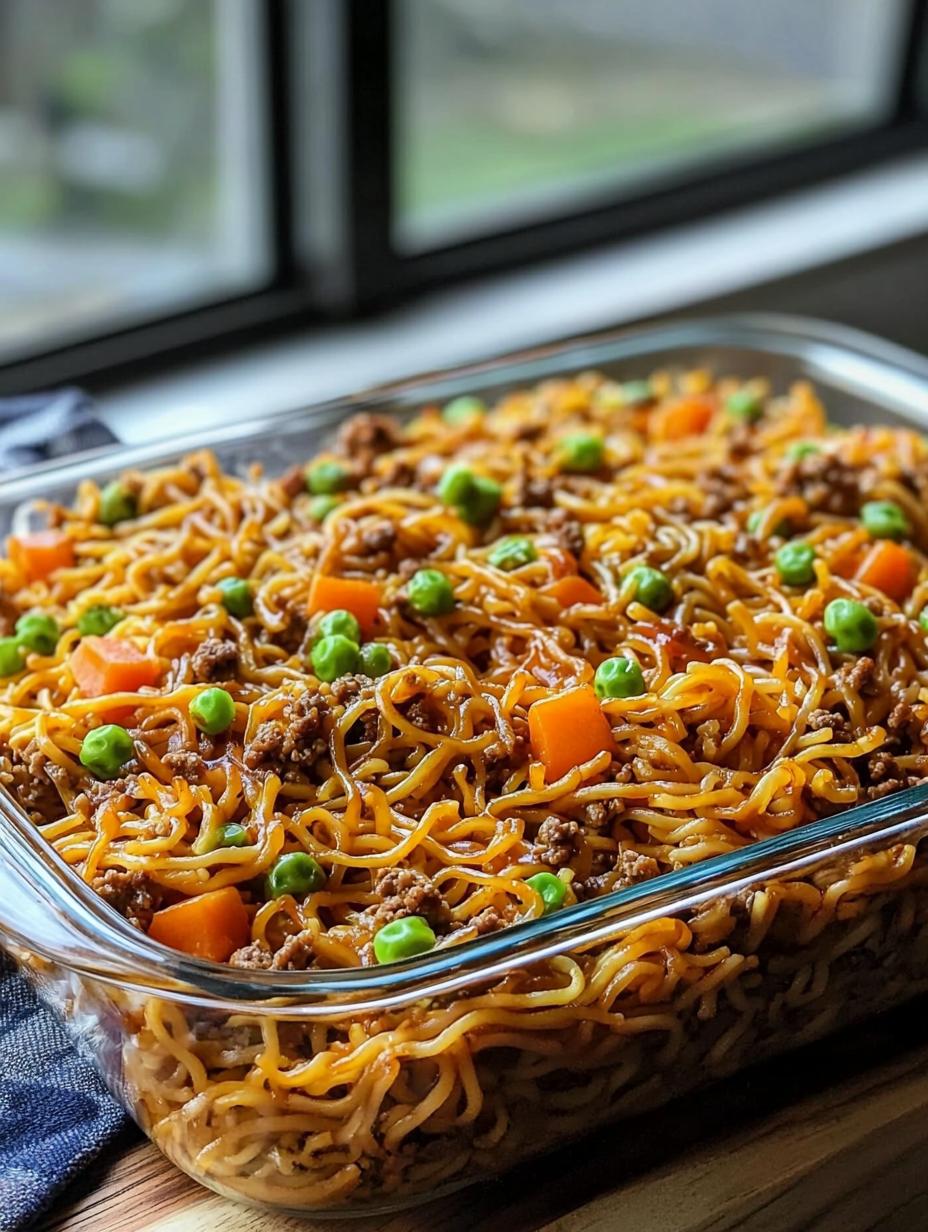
<point x="131" y="162"/>
<point x="534" y="107"/>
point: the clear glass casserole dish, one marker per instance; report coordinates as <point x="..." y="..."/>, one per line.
<point x="371" y="1088"/>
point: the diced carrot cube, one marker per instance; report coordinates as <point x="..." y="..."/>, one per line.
<point x="41" y="553"/>
<point x="361" y="598"/>
<point x="568" y="729"/>
<point x="105" y="665"/>
<point x="571" y="590"/>
<point x="889" y="567"/>
<point x="685" y="417"/>
<point x="212" y="925"/>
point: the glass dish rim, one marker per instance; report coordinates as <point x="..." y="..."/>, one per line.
<point x="125" y="956"/>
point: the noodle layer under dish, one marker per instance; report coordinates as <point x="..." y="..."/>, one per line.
<point x="453" y="675"/>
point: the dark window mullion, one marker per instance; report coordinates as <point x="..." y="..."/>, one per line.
<point x="370" y="148"/>
<point x="913" y="65"/>
<point x="279" y="162"/>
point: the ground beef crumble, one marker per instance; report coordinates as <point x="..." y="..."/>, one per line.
<point x="305" y="718"/>
<point x="424" y="714"/>
<point x="840" y="725"/>
<point x="215" y="659"/>
<point x="266" y="747"/>
<point x="826" y="483"/>
<point x="296" y="953"/>
<point x="134" y="895"/>
<point x="488" y="921"/>
<point x="403" y="892"/>
<point x="255" y="957"/>
<point x="535" y="492"/>
<point x="568" y="530"/>
<point x="184" y="764"/>
<point x="859" y="676"/>
<point x="599" y="813"/>
<point x="347" y="689"/>
<point x="633" y="867"/>
<point x="32" y="780"/>
<point x="367" y="433"/>
<point x="557" y="841"/>
<point x="292" y="636"/>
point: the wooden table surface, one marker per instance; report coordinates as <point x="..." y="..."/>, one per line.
<point x="833" y="1139"/>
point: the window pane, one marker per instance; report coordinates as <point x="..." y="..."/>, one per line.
<point x="130" y="168"/>
<point x="537" y="106"/>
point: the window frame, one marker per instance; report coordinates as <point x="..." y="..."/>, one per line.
<point x="354" y="267"/>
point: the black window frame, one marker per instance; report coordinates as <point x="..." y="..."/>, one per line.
<point x="332" y="62"/>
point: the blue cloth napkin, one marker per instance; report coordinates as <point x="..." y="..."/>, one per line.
<point x="37" y="427"/>
<point x="55" y="1113"/>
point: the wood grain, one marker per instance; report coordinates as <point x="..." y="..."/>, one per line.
<point x="825" y="1140"/>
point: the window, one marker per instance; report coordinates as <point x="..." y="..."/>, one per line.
<point x="182" y="174"/>
<point x="507" y="111"/>
<point x="129" y="140"/>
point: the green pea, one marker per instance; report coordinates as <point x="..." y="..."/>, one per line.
<point x="636" y="393"/>
<point x="295" y="873"/>
<point x="38" y="631"/>
<point x="334" y="656"/>
<point x="484" y="502"/>
<point x="430" y="593"/>
<point x="923" y="619"/>
<point x="321" y="506"/>
<point x="581" y="453"/>
<point x="550" y="889"/>
<point x="885" y="520"/>
<point x="232" y="834"/>
<point x="512" y="552"/>
<point x="462" y="410"/>
<point x="851" y="625"/>
<point x="105" y="750"/>
<point x="757" y="517"/>
<point x="474" y="498"/>
<point x="340" y="621"/>
<point x="456" y="485"/>
<point x="744" y="404"/>
<point x="235" y="596"/>
<point x="619" y="677"/>
<point x="374" y="660"/>
<point x="12" y="659"/>
<point x="795" y="563"/>
<point x="117" y="504"/>
<point x="651" y="587"/>
<point x="802" y="449"/>
<point x="326" y="477"/>
<point x="403" y="938"/>
<point x="213" y="711"/>
<point x="98" y="621"/>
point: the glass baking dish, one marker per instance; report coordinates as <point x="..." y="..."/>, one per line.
<point x="368" y="1089"/>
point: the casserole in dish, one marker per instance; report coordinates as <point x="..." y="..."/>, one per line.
<point x="609" y="875"/>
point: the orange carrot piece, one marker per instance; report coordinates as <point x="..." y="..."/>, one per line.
<point x="362" y="599"/>
<point x="889" y="567"/>
<point x="571" y="590"/>
<point x="567" y="730"/>
<point x="104" y="665"/>
<point x="40" y="554"/>
<point x="213" y="925"/>
<point x="685" y="417"/>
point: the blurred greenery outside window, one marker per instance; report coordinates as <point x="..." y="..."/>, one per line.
<point x="130" y="161"/>
<point x="138" y="160"/>
<point x="510" y="111"/>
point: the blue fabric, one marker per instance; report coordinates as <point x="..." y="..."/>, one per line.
<point x="37" y="427"/>
<point x="55" y="1113"/>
